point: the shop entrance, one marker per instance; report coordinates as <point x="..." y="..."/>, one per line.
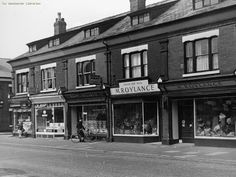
<point x="186" y="121"/>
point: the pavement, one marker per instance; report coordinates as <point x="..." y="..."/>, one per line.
<point x="181" y="151"/>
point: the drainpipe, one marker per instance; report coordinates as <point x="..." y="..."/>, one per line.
<point x="108" y="95"/>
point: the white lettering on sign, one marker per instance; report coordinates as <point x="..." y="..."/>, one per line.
<point x="134" y="87"/>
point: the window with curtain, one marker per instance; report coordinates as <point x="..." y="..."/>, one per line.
<point x="84" y="71"/>
<point x="201" y="55"/>
<point x="48" y="78"/>
<point x="135" y="64"/>
<point x="22" y="82"/>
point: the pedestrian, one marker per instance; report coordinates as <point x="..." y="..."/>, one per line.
<point x="20" y="129"/>
<point x="80" y="130"/>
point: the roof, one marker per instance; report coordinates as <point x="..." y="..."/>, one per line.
<point x="5" y="68"/>
<point x="173" y="10"/>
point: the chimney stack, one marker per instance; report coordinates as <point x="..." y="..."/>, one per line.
<point x="136" y="5"/>
<point x="59" y="25"/>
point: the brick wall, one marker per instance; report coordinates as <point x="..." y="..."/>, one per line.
<point x="176" y="58"/>
<point x="4" y="109"/>
<point x="60" y="75"/>
<point x="227" y="49"/>
<point x="71" y="74"/>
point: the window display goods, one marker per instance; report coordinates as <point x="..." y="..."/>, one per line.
<point x="216" y="117"/>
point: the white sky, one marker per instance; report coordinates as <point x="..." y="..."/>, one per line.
<point x="21" y="24"/>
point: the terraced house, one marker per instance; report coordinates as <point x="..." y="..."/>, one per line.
<point x="163" y="72"/>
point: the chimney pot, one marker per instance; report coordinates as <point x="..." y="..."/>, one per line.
<point x="59" y="15"/>
<point x="59" y="25"/>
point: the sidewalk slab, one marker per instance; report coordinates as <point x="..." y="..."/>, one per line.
<point x="180" y="151"/>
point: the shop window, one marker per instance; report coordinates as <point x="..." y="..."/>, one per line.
<point x="135" y="64"/>
<point x="50" y="120"/>
<point x="58" y="115"/>
<point x="84" y="71"/>
<point x="22" y="82"/>
<point x="95" y="118"/>
<point x="198" y="4"/>
<point x="25" y="118"/>
<point x="201" y="55"/>
<point x="216" y="117"/>
<point x="150" y="119"/>
<point x="129" y="120"/>
<point x="48" y="78"/>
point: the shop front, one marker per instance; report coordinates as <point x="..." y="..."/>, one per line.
<point x="49" y="114"/>
<point x="20" y="112"/>
<point x="91" y="107"/>
<point x="203" y="111"/>
<point x="135" y="112"/>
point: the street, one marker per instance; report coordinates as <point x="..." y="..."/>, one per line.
<point x="29" y="157"/>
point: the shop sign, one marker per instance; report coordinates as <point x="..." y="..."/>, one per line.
<point x="95" y="79"/>
<point x="134" y="87"/>
<point x="200" y="85"/>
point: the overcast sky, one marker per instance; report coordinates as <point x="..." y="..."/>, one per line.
<point x="21" y="24"/>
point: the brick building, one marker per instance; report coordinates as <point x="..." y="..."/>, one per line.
<point x="5" y="89"/>
<point x="163" y="72"/>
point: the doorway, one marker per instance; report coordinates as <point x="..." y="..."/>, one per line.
<point x="186" y="121"/>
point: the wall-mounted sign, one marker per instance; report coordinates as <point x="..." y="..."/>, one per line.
<point x="201" y="85"/>
<point x="134" y="87"/>
<point x="95" y="79"/>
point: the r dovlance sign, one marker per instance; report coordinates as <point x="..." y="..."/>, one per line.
<point x="134" y="88"/>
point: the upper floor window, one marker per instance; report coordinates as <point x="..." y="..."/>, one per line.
<point x="32" y="48"/>
<point x="54" y="42"/>
<point x="85" y="67"/>
<point x="91" y="32"/>
<point x="48" y="73"/>
<point x="135" y="62"/>
<point x="201" y="55"/>
<point x="139" y="19"/>
<point x="203" y="3"/>
<point x="22" y="81"/>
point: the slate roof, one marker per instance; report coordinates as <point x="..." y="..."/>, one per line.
<point x="179" y="10"/>
<point x="5" y="68"/>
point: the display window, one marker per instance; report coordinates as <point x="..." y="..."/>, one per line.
<point x="135" y="119"/>
<point x="216" y="117"/>
<point x="25" y="119"/>
<point x="95" y="118"/>
<point x="50" y="120"/>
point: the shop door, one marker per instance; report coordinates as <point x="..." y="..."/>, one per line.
<point x="186" y="128"/>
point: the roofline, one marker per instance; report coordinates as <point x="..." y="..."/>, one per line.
<point x="144" y="28"/>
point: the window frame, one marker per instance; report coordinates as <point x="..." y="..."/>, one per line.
<point x="54" y="42"/>
<point x="82" y="74"/>
<point x="203" y="3"/>
<point x="130" y="67"/>
<point x="32" y="48"/>
<point x="91" y="32"/>
<point x="44" y="72"/>
<point x="140" y="19"/>
<point x="194" y="56"/>
<point x="20" y="85"/>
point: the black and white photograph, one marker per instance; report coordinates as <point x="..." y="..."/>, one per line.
<point x="117" y="88"/>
